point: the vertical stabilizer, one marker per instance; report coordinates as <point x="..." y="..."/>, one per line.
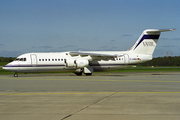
<point x="147" y="42"/>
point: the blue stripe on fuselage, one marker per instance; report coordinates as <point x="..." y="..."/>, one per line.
<point x="112" y="64"/>
<point x="32" y="65"/>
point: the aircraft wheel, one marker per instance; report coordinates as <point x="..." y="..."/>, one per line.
<point x="79" y="74"/>
<point x="15" y="75"/>
<point x="88" y="74"/>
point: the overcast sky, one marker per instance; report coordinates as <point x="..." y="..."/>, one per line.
<point x="73" y="25"/>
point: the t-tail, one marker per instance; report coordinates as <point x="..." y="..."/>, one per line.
<point x="147" y="42"/>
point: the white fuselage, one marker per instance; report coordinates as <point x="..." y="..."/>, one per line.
<point x="46" y="62"/>
<point x="89" y="61"/>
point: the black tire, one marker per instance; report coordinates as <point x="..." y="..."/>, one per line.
<point x="79" y="74"/>
<point x="88" y="74"/>
<point x="15" y="75"/>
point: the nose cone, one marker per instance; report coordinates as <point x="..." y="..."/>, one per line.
<point x="10" y="67"/>
<point x="6" y="67"/>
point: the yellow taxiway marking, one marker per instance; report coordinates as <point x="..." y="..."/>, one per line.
<point x="96" y="79"/>
<point x="83" y="93"/>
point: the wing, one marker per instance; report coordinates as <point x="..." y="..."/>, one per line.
<point x="96" y="56"/>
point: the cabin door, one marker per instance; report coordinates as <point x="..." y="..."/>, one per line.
<point x="33" y="60"/>
<point x="126" y="58"/>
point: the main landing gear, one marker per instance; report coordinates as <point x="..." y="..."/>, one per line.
<point x="86" y="70"/>
<point x="15" y="75"/>
<point x="80" y="74"/>
<point x="88" y="74"/>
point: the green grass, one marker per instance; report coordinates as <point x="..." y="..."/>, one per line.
<point x="4" y="72"/>
<point x="149" y="69"/>
<point x="129" y="69"/>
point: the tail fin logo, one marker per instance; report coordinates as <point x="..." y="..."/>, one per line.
<point x="146" y="44"/>
<point x="147" y="37"/>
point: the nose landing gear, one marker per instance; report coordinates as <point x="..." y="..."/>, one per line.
<point x="15" y="75"/>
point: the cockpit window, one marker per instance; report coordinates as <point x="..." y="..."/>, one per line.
<point x="17" y="59"/>
<point x="20" y="59"/>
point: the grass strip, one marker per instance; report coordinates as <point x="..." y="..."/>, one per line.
<point x="129" y="69"/>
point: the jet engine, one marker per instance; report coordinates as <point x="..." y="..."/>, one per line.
<point x="77" y="63"/>
<point x="70" y="63"/>
<point x="81" y="63"/>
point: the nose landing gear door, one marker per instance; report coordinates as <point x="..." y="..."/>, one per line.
<point x="33" y="60"/>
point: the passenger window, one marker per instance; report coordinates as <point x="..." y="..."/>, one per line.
<point x="55" y="59"/>
<point x="21" y="59"/>
<point x="58" y="59"/>
<point x="24" y="59"/>
<point x="42" y="59"/>
<point x="52" y="59"/>
<point x="61" y="59"/>
<point x="49" y="59"/>
<point x="39" y="59"/>
<point x="45" y="59"/>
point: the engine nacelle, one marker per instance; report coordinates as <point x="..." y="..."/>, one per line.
<point x="70" y="63"/>
<point x="77" y="63"/>
<point x="81" y="63"/>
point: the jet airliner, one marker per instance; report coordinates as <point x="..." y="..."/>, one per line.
<point x="87" y="62"/>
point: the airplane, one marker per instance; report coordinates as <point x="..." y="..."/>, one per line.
<point x="87" y="62"/>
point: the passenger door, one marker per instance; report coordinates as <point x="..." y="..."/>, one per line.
<point x="33" y="59"/>
<point x="126" y="58"/>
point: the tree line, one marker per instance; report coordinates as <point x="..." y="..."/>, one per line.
<point x="6" y="59"/>
<point x="163" y="61"/>
<point x="160" y="61"/>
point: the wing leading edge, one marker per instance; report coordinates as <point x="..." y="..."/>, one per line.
<point x="96" y="56"/>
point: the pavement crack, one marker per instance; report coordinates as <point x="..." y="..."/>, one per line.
<point x="89" y="105"/>
<point x="66" y="117"/>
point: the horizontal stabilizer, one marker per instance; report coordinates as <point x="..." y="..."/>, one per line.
<point x="158" y="30"/>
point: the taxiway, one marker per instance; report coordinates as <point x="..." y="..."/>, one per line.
<point x="136" y="96"/>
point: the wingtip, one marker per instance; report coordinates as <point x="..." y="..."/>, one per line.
<point x="172" y="29"/>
